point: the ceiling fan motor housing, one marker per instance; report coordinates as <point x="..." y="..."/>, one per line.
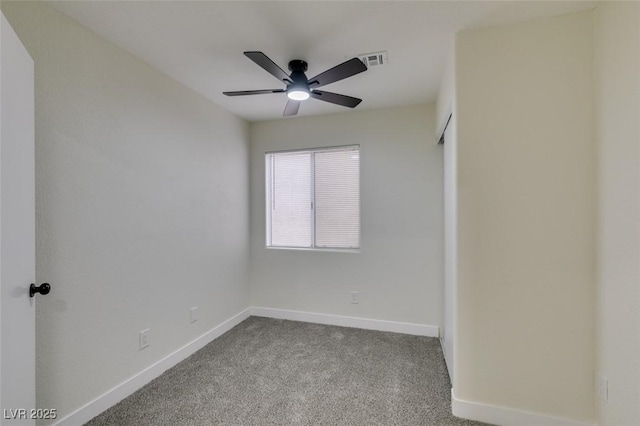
<point x="298" y="68"/>
<point x="297" y="65"/>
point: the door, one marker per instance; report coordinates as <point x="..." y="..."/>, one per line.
<point x="17" y="231"/>
<point x="450" y="245"/>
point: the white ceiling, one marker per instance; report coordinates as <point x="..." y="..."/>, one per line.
<point x="200" y="43"/>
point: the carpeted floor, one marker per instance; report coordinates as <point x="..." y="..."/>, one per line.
<point x="275" y="372"/>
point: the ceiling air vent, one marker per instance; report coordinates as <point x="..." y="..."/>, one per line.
<point x="374" y="59"/>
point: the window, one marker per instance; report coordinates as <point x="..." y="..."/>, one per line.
<point x="313" y="198"/>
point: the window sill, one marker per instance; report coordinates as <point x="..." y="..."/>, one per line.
<point x="330" y="250"/>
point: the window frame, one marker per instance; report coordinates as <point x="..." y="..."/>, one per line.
<point x="268" y="189"/>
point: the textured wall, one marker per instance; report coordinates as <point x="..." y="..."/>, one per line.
<point x="526" y="216"/>
<point x="142" y="210"/>
<point x="399" y="269"/>
<point x="618" y="135"/>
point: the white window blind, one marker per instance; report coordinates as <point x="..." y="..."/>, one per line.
<point x="290" y="199"/>
<point x="313" y="198"/>
<point x="337" y="193"/>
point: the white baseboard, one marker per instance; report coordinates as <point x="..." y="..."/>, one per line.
<point x="354" y="322"/>
<point x="129" y="386"/>
<point x="505" y="416"/>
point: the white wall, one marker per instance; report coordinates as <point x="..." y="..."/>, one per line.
<point x="399" y="269"/>
<point x="142" y="210"/>
<point x="617" y="67"/>
<point x="526" y="203"/>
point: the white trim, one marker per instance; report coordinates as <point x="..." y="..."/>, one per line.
<point x="334" y="250"/>
<point x="129" y="386"/>
<point x="344" y="321"/>
<point x="505" y="416"/>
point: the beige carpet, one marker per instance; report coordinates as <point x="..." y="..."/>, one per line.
<point x="275" y="372"/>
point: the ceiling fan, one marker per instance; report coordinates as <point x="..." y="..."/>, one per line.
<point x="299" y="87"/>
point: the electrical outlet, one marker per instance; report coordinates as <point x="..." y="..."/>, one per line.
<point x="355" y="297"/>
<point x="603" y="388"/>
<point x="144" y="338"/>
<point x="194" y="314"/>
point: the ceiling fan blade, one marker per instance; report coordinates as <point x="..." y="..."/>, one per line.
<point x="268" y="65"/>
<point x="253" y="92"/>
<point x="346" y="69"/>
<point x="291" y="108"/>
<point x="335" y="98"/>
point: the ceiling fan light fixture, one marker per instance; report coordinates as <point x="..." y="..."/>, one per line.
<point x="298" y="94"/>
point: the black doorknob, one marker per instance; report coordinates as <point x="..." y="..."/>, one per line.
<point x="43" y="289"/>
